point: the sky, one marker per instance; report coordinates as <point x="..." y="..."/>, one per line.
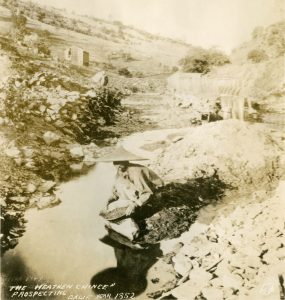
<point x="224" y="24"/>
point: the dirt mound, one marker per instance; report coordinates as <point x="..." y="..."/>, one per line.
<point x="239" y="153"/>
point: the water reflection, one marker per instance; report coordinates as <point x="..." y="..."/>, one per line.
<point x="130" y="274"/>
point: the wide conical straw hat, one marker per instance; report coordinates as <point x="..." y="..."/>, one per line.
<point x="120" y="154"/>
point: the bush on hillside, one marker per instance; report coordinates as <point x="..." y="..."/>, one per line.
<point x="127" y="57"/>
<point x="134" y="89"/>
<point x="257" y="56"/>
<point x="174" y="69"/>
<point x="125" y="72"/>
<point x="43" y="48"/>
<point x="195" y="64"/>
<point x="139" y="74"/>
<point x="217" y="58"/>
<point x="202" y="60"/>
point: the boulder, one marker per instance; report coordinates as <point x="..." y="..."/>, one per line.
<point x="47" y="201"/>
<point x="231" y="281"/>
<point x="3" y="202"/>
<point x="2" y="121"/>
<point x="182" y="264"/>
<point x="13" y="152"/>
<point x="28" y="152"/>
<point x="46" y="186"/>
<point x="89" y="160"/>
<point x="18" y="161"/>
<point x="19" y="199"/>
<point x="50" y="137"/>
<point x="200" y="277"/>
<point x="76" y="152"/>
<point x="30" y="164"/>
<point x="211" y="293"/>
<point x="162" y="278"/>
<point x="31" y="188"/>
<point x="189" y="290"/>
<point x="76" y="167"/>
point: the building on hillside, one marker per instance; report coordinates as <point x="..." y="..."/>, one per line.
<point x="77" y="56"/>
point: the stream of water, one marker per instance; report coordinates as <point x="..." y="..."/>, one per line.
<point x="61" y="244"/>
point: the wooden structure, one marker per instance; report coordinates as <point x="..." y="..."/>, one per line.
<point x="77" y="56"/>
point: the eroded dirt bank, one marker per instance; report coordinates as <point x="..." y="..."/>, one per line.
<point x="235" y="248"/>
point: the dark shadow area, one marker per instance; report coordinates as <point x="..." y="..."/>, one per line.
<point x="15" y="273"/>
<point x="174" y="207"/>
<point x="128" y="279"/>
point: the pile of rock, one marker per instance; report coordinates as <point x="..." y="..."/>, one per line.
<point x="240" y="255"/>
<point x="240" y="154"/>
<point x="20" y="190"/>
<point x="62" y="102"/>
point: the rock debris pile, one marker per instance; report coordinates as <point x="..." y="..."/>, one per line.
<point x="240" y="255"/>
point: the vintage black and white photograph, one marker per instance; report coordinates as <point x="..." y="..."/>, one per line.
<point x="142" y="149"/>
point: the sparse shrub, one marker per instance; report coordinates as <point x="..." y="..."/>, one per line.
<point x="217" y="58"/>
<point x="43" y="48"/>
<point x="195" y="64"/>
<point x="134" y="89"/>
<point x="257" y="56"/>
<point x="107" y="31"/>
<point x="125" y="72"/>
<point x="108" y="66"/>
<point x="139" y="74"/>
<point x="41" y="15"/>
<point x="175" y="69"/>
<point x="202" y="60"/>
<point x="151" y="86"/>
<point x="255" y="106"/>
<point x="127" y="56"/>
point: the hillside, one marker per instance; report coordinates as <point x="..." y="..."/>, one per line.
<point x="270" y="41"/>
<point x="111" y="45"/>
<point x="259" y="63"/>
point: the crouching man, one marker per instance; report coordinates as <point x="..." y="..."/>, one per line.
<point x="133" y="187"/>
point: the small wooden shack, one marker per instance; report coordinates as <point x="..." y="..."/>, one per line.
<point x="77" y="56"/>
